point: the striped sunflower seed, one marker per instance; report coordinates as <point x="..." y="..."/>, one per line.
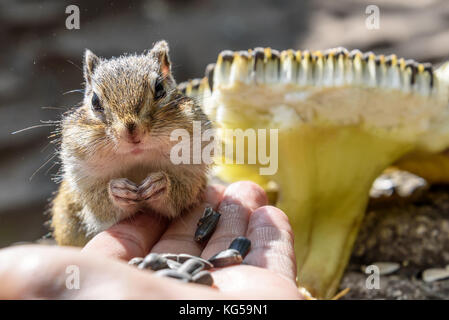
<point x="203" y="277"/>
<point x="183" y="257"/>
<point x="226" y="258"/>
<point x="175" y="274"/>
<point x="154" y="262"/>
<point x="135" y="261"/>
<point x="172" y="264"/>
<point x="242" y="245"/>
<point x="191" y="266"/>
<point x="171" y="256"/>
<point x="206" y="225"/>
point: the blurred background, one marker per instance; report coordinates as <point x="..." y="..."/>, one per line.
<point x="40" y="62"/>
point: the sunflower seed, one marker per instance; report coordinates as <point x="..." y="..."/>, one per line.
<point x="226" y="258"/>
<point x="183" y="257"/>
<point x="154" y="262"/>
<point x="206" y="225"/>
<point x="385" y="268"/>
<point x="173" y="264"/>
<point x="175" y="274"/>
<point x="171" y="256"/>
<point x="203" y="277"/>
<point x="435" y="274"/>
<point x="191" y="266"/>
<point x="241" y="244"/>
<point x="135" y="261"/>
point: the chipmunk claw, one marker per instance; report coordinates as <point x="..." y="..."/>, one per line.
<point x="153" y="186"/>
<point x="123" y="192"/>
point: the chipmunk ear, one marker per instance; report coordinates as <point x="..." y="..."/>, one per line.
<point x="91" y="61"/>
<point x="160" y="53"/>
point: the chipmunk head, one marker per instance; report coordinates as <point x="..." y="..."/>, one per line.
<point x="131" y="97"/>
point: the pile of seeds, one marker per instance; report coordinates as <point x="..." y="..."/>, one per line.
<point x="188" y="268"/>
<point x="184" y="267"/>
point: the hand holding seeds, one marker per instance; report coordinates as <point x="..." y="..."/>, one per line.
<point x="188" y="268"/>
<point x="267" y="272"/>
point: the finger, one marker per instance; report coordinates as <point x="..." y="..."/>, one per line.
<point x="272" y="242"/>
<point x="255" y="283"/>
<point x="47" y="272"/>
<point x="133" y="237"/>
<point x="179" y="236"/>
<point x="239" y="201"/>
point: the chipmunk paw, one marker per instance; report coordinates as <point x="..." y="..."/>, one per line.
<point x="124" y="193"/>
<point x="154" y="187"/>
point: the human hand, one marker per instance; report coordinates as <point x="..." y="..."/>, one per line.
<point x="268" y="272"/>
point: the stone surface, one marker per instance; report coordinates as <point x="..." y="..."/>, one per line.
<point x="415" y="235"/>
<point x="400" y="286"/>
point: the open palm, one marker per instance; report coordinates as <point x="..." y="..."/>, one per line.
<point x="267" y="272"/>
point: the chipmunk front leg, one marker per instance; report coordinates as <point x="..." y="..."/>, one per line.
<point x="124" y="194"/>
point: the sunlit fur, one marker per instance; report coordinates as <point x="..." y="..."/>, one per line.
<point x="94" y="151"/>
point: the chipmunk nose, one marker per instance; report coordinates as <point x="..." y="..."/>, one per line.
<point x="131" y="133"/>
<point x="131" y="126"/>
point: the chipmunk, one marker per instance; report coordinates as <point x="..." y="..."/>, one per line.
<point x="115" y="147"/>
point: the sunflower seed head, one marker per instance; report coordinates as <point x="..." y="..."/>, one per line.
<point x="209" y="74"/>
<point x="330" y="68"/>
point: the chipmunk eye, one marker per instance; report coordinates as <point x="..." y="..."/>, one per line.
<point x="96" y="104"/>
<point x="159" y="90"/>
